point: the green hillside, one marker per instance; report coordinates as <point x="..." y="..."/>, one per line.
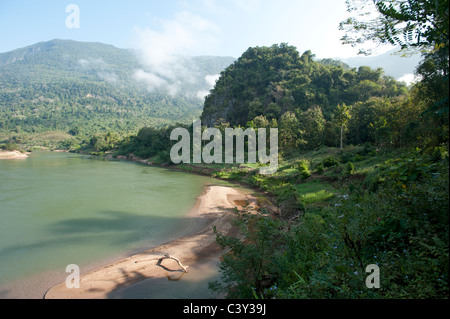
<point x="273" y="80"/>
<point x="85" y="88"/>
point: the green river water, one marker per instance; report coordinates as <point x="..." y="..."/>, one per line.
<point x="58" y="209"/>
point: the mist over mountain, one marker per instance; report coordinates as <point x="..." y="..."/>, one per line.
<point x="392" y="63"/>
<point x="63" y="83"/>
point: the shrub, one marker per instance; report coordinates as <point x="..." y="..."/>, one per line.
<point x="368" y="149"/>
<point x="303" y="167"/>
<point x="164" y="157"/>
<point x="438" y="154"/>
<point x="351" y="157"/>
<point x="347" y="157"/>
<point x="357" y="158"/>
<point x="11" y="147"/>
<point x="237" y="174"/>
<point x="320" y="168"/>
<point x="350" y="169"/>
<point x="248" y="268"/>
<point x="330" y="161"/>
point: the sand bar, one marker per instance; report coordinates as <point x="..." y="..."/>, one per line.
<point x="12" y="155"/>
<point x="213" y="208"/>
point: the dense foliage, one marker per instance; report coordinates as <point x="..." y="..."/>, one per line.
<point x="271" y="81"/>
<point x="397" y="219"/>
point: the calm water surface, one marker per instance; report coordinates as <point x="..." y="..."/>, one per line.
<point x="60" y="208"/>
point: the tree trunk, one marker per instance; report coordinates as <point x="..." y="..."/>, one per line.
<point x="342" y="136"/>
<point x="167" y="256"/>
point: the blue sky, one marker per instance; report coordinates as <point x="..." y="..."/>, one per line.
<point x="195" y="27"/>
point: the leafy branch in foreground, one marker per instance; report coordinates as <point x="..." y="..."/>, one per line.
<point x="411" y="24"/>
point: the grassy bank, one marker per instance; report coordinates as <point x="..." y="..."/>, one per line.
<point x="340" y="211"/>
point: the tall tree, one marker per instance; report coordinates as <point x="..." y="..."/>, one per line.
<point x="312" y="123"/>
<point x="341" y="117"/>
<point x="290" y="135"/>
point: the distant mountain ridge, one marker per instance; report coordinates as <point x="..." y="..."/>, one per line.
<point x="86" y="59"/>
<point x="59" y="84"/>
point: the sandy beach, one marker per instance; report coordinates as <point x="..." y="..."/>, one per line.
<point x="213" y="208"/>
<point x="12" y="155"/>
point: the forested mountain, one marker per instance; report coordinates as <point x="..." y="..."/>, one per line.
<point x="271" y="81"/>
<point x="93" y="87"/>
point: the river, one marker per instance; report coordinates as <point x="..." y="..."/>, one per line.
<point x="58" y="209"/>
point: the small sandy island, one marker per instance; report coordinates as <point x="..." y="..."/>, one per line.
<point x="213" y="208"/>
<point x="12" y="155"/>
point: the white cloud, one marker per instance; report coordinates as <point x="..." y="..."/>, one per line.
<point x="92" y="63"/>
<point x="202" y="94"/>
<point x="162" y="51"/>
<point x="211" y="79"/>
<point x="108" y="76"/>
<point x="408" y="79"/>
<point x="248" y="6"/>
<point x="83" y="62"/>
<point x="151" y="80"/>
<point x="103" y="69"/>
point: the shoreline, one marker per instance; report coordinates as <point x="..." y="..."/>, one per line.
<point x="213" y="208"/>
